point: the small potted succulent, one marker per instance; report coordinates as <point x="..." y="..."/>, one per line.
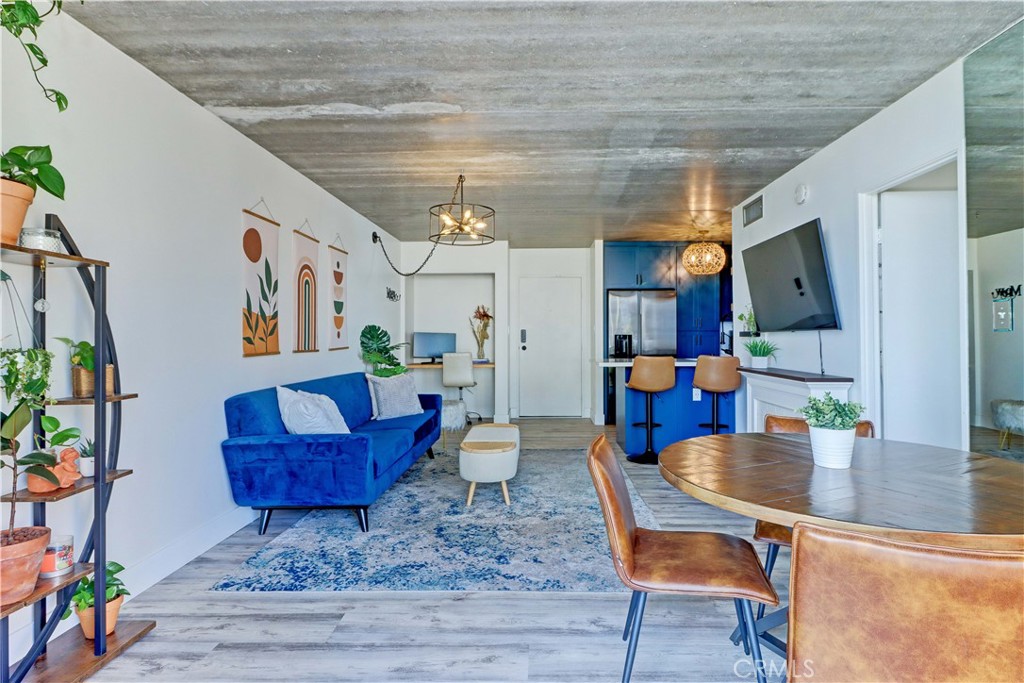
<point x="833" y="426"/>
<point x="87" y="459"/>
<point x="84" y="601"/>
<point x="760" y="350"/>
<point x="83" y="366"/>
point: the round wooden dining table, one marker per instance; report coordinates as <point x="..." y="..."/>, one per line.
<point x="890" y="485"/>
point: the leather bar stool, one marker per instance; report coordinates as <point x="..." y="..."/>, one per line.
<point x="936" y="608"/>
<point x="651" y="374"/>
<point x="676" y="562"/>
<point x="717" y="375"/>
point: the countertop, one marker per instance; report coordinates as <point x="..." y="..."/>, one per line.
<point x="628" y="363"/>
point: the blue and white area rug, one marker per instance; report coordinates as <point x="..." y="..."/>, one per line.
<point x="423" y="537"/>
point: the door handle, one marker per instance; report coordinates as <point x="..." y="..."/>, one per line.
<point x="522" y="336"/>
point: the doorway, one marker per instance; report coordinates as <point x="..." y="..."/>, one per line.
<point x="550" y="343"/>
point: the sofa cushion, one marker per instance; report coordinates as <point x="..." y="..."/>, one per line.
<point x="393" y="396"/>
<point x="305" y="413"/>
<point x="349" y="392"/>
<point x="420" y="424"/>
<point x="386" y="445"/>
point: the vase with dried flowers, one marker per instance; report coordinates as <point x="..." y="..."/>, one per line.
<point x="480" y="323"/>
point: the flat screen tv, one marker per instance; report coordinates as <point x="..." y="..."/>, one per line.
<point x="790" y="285"/>
<point x="432" y="345"/>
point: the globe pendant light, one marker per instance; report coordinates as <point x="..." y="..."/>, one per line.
<point x="704" y="258"/>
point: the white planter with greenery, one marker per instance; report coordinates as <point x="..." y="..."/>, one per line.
<point x="833" y="426"/>
<point x="760" y="350"/>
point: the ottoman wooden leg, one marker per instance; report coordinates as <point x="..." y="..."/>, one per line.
<point x="472" y="490"/>
<point x="504" y="489"/>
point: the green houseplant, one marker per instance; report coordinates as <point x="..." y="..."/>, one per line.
<point x="82" y="355"/>
<point x="20" y="17"/>
<point x="379" y="352"/>
<point x="25" y="374"/>
<point x="87" y="458"/>
<point x="749" y="323"/>
<point x="22" y="170"/>
<point x="760" y="351"/>
<point x="833" y="425"/>
<point x="84" y="601"/>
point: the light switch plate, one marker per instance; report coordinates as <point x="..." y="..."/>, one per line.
<point x="696" y="394"/>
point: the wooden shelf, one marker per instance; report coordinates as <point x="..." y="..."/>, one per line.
<point x="438" y="366"/>
<point x="82" y="485"/>
<point x="46" y="587"/>
<point x="88" y="401"/>
<point x="12" y="253"/>
<point x="69" y="657"/>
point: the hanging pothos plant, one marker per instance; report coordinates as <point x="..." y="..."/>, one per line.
<point x="21" y="16"/>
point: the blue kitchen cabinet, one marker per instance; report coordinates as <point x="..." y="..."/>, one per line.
<point x="693" y="343"/>
<point x="639" y="266"/>
<point x="620" y="267"/>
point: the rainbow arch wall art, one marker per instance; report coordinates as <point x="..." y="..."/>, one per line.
<point x="339" y="298"/>
<point x="306" y="252"/>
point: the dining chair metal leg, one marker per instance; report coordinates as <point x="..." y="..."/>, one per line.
<point x="769" y="564"/>
<point x="629" y="615"/>
<point x="634" y="635"/>
<point x="739" y="634"/>
<point x="753" y="640"/>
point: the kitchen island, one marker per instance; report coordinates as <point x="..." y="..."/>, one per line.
<point x="678" y="410"/>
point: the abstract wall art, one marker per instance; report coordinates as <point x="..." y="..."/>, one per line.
<point x="260" y="329"/>
<point x="306" y="252"/>
<point x="339" y="298"/>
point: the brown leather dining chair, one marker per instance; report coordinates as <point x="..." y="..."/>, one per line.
<point x="650" y="375"/>
<point x="677" y="562"/>
<point x="934" y="609"/>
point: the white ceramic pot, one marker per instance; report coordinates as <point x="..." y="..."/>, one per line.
<point x="759" y="362"/>
<point x="87" y="466"/>
<point x="832" y="448"/>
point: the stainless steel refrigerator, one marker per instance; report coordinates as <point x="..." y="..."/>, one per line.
<point x="648" y="316"/>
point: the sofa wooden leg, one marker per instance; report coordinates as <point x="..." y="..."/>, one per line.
<point x="430" y="452"/>
<point x="363" y="515"/>
<point x="264" y="520"/>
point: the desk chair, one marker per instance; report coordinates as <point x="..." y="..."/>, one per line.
<point x="650" y="375"/>
<point x="457" y="371"/>
<point x="676" y="562"/>
<point x="717" y="375"/>
<point x="934" y="608"/>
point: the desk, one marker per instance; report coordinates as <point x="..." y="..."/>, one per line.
<point x="891" y="485"/>
<point x="438" y="366"/>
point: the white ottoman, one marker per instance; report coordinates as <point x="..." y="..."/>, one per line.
<point x="1008" y="417"/>
<point x="489" y="453"/>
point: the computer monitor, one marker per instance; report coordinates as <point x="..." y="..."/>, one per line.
<point x="432" y="345"/>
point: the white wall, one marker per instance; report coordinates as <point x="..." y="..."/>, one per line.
<point x="999" y="365"/>
<point x="445" y="303"/>
<point x="597" y="351"/>
<point x="552" y="263"/>
<point x="914" y="134"/>
<point x="490" y="260"/>
<point x="156" y="185"/>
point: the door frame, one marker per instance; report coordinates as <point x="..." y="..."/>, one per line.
<point x="869" y="213"/>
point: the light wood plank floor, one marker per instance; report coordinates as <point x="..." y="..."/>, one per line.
<point x="435" y="636"/>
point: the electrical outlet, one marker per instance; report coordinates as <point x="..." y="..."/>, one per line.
<point x="696" y="394"/>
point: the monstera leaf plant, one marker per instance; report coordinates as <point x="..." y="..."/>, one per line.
<point x="379" y="352"/>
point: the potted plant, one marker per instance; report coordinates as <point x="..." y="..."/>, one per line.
<point x="379" y="352"/>
<point x="749" y="323"/>
<point x="483" y="319"/>
<point x="86" y="458"/>
<point x="22" y="171"/>
<point x="760" y="351"/>
<point x="25" y="374"/>
<point x="83" y="365"/>
<point x="833" y="426"/>
<point x="84" y="601"/>
<point x="64" y="471"/>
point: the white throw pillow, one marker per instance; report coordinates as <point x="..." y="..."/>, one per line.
<point x="393" y="396"/>
<point x="306" y="413"/>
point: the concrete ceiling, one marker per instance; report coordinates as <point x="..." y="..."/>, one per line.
<point x="575" y="121"/>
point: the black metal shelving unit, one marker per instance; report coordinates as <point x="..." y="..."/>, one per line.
<point x="65" y="660"/>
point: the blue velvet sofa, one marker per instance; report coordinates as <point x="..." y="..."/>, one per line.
<point x="271" y="469"/>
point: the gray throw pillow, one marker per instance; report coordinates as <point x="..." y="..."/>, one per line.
<point x="394" y="396"/>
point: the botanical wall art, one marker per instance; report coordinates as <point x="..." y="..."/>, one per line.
<point x="260" y="330"/>
<point x="339" y="297"/>
<point x="306" y="251"/>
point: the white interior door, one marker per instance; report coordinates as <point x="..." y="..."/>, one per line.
<point x="922" y="396"/>
<point x="551" y="356"/>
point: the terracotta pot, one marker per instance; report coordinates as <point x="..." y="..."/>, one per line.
<point x="83" y="382"/>
<point x="87" y="617"/>
<point x="20" y="564"/>
<point x="15" y="199"/>
<point x="39" y="485"/>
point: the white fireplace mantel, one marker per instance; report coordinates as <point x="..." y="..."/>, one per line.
<point x="775" y="391"/>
